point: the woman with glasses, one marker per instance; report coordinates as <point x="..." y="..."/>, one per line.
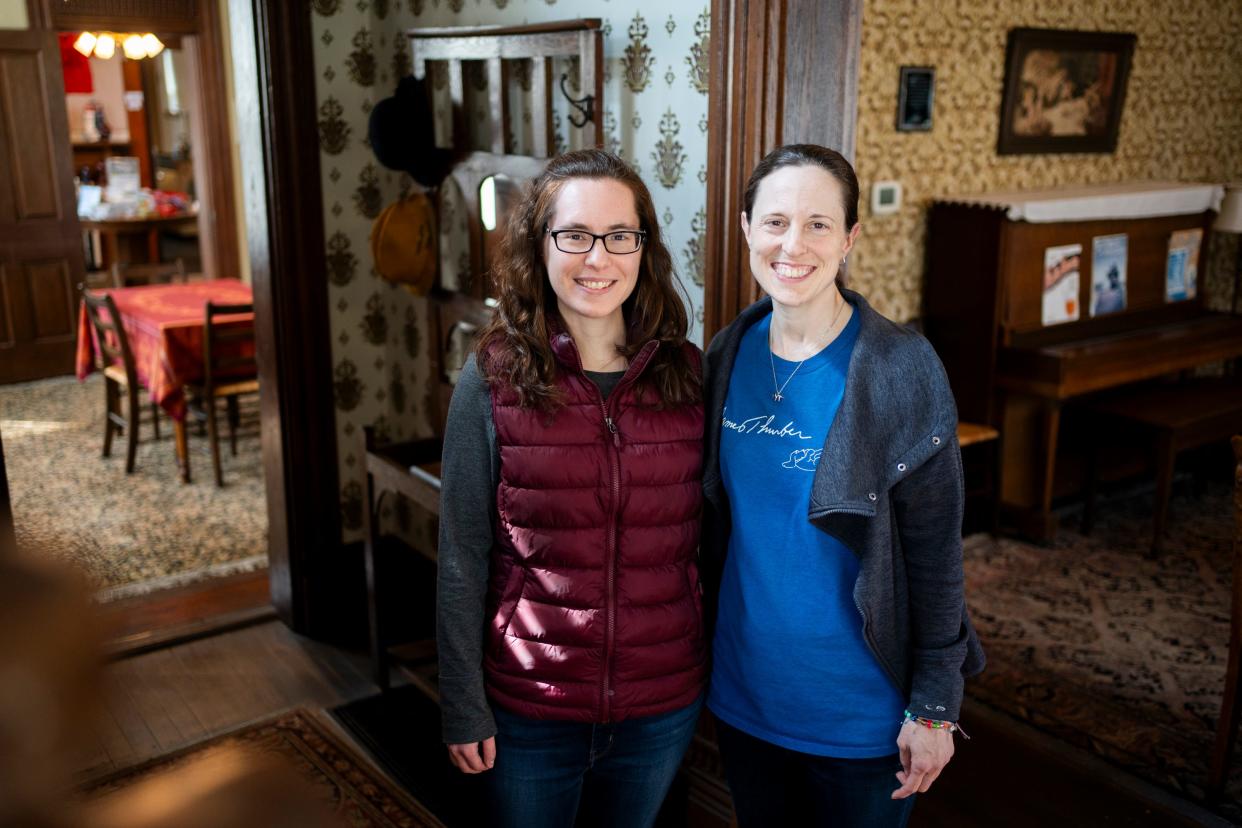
<point x="569" y="617"/>
<point x="832" y="526"/>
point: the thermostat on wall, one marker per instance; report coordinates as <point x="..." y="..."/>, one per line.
<point x="885" y="197"/>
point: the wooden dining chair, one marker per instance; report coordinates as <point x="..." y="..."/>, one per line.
<point x="125" y="274"/>
<point x="1227" y="725"/>
<point x="229" y="370"/>
<point x="115" y="359"/>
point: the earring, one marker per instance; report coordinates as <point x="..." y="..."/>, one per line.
<point x="842" y="260"/>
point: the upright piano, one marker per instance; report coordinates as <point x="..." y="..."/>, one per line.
<point x="1010" y="364"/>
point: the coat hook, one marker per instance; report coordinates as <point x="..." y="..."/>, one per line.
<point x="585" y="105"/>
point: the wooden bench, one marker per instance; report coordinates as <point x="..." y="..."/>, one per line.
<point x="977" y="434"/>
<point x="1180" y="416"/>
<point x="411" y="470"/>
<point x="968" y="434"/>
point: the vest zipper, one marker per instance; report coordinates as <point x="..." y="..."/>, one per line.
<point x="611" y="563"/>
<point x="610" y="559"/>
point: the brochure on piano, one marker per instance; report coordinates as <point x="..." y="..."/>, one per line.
<point x="1061" y="266"/>
<point x="1182" y="269"/>
<point x="1108" y="273"/>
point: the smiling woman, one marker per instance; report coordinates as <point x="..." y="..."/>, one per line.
<point x="842" y="634"/>
<point x="571" y="611"/>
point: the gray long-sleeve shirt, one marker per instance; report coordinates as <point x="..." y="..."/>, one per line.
<point x="470" y="474"/>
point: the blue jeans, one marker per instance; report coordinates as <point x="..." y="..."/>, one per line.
<point x="772" y="785"/>
<point x="616" y="774"/>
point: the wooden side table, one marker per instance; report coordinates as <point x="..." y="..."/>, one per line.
<point x="412" y="470"/>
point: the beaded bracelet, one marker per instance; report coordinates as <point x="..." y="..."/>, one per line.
<point x="934" y="724"/>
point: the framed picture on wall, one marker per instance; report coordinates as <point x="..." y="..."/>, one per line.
<point x="1064" y="91"/>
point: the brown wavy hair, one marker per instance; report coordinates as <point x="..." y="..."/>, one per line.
<point x="514" y="349"/>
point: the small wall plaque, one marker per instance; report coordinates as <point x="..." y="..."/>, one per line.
<point x="914" y="98"/>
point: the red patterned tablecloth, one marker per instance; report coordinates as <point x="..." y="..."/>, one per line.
<point x="165" y="328"/>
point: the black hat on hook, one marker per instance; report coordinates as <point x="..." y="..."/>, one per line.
<point x="402" y="133"/>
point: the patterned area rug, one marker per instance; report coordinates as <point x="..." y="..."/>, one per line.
<point x="129" y="533"/>
<point x="1108" y="648"/>
<point x="348" y="788"/>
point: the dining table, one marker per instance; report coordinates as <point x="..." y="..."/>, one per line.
<point x="165" y="328"/>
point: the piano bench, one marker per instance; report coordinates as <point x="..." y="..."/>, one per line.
<point x="970" y="433"/>
<point x="1180" y="416"/>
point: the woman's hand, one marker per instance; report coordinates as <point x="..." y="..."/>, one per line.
<point x="924" y="753"/>
<point x="476" y="757"/>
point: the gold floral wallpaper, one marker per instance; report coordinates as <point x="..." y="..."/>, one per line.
<point x="655" y="116"/>
<point x="1182" y="118"/>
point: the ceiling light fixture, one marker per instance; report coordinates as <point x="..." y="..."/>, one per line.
<point x="102" y="45"/>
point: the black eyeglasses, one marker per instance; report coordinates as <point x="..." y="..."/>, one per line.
<point x="618" y="242"/>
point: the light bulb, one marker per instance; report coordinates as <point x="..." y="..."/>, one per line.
<point x="134" y="47"/>
<point x="85" y="43"/>
<point x="105" y="46"/>
<point x="152" y="44"/>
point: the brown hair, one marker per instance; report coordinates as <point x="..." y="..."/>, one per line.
<point x="515" y="350"/>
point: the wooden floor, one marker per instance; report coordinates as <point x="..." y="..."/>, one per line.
<point x="1008" y="774"/>
<point x="169" y="698"/>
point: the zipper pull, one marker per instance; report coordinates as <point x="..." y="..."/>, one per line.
<point x="612" y="428"/>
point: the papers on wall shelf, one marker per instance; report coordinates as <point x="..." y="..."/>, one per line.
<point x="1061" y="266"/>
<point x="1108" y="274"/>
<point x="1181" y="275"/>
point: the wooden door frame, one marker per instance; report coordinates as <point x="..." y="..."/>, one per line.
<point x="315" y="586"/>
<point x="782" y="72"/>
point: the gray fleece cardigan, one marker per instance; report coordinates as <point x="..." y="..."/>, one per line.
<point x="889" y="487"/>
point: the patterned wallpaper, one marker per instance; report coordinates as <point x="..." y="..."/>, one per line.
<point x="1182" y="118"/>
<point x="655" y="116"/>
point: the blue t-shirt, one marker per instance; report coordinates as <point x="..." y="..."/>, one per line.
<point x="790" y="665"/>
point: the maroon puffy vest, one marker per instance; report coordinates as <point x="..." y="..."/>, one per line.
<point x="594" y="605"/>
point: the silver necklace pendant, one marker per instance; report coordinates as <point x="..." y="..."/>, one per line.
<point x="777" y="390"/>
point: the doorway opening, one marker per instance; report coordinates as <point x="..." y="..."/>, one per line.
<point x="143" y="159"/>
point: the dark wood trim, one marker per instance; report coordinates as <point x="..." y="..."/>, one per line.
<point x="8" y="538"/>
<point x="38" y="14"/>
<point x="473" y="32"/>
<point x="173" y="616"/>
<point x="219" y="244"/>
<point x="276" y="122"/>
<point x="744" y="102"/>
<point x="782" y="71"/>
<point x="127" y="15"/>
<point x="822" y="45"/>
